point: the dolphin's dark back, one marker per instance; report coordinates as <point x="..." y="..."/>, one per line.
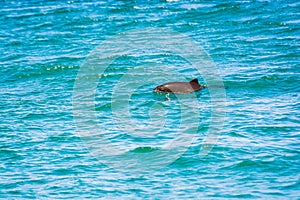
<point x="180" y="87"/>
<point x="195" y="83"/>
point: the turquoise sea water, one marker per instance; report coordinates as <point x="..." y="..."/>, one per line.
<point x="255" y="47"/>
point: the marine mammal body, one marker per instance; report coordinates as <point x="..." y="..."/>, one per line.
<point x="180" y="87"/>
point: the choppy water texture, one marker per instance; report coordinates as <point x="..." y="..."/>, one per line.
<point x="255" y="46"/>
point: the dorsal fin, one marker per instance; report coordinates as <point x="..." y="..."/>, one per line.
<point x="194" y="82"/>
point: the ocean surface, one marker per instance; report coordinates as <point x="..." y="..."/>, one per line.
<point x="79" y="119"/>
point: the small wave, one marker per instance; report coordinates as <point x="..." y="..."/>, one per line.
<point x="144" y="149"/>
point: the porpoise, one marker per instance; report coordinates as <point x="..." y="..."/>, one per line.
<point x="180" y="87"/>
